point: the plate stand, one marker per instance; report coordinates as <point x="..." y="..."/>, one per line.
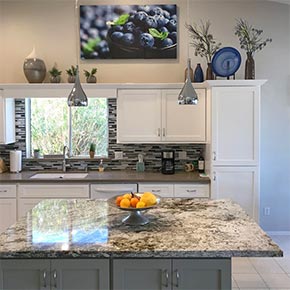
<point x="135" y="218"/>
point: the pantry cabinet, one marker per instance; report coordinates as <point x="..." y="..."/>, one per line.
<point x="7" y="120"/>
<point x="90" y="274"/>
<point x="171" y="274"/>
<point x="154" y="116"/>
<point x="7" y="206"/>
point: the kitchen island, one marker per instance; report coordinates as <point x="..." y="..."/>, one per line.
<point x="83" y="244"/>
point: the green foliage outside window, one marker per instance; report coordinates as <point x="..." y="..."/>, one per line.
<point x="50" y="126"/>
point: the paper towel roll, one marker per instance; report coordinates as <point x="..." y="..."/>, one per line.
<point x="15" y="161"/>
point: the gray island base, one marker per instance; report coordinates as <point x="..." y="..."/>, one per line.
<point x="82" y="244"/>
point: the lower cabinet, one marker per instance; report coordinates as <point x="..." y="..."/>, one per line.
<point x="59" y="274"/>
<point x="163" y="274"/>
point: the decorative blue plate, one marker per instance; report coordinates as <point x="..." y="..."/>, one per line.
<point x="226" y="61"/>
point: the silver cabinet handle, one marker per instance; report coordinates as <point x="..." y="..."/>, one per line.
<point x="44" y="279"/>
<point x="163" y="132"/>
<point x="156" y="190"/>
<point x="159" y="132"/>
<point x="191" y="190"/>
<point x="177" y="278"/>
<point x="214" y="155"/>
<point x="54" y="276"/>
<point x="4" y="190"/>
<point x="166" y="278"/>
<point x="214" y="176"/>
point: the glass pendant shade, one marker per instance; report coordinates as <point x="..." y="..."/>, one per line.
<point x="188" y="95"/>
<point x="77" y="96"/>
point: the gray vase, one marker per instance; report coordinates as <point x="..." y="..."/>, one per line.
<point x="34" y="70"/>
<point x="55" y="79"/>
<point x="71" y="79"/>
<point x="91" y="79"/>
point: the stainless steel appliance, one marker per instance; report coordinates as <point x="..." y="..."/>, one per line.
<point x="167" y="161"/>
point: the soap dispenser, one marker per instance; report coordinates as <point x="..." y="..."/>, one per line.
<point x="101" y="166"/>
<point x="140" y="167"/>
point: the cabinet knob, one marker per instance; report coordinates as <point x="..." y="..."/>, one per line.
<point x="177" y="278"/>
<point x="159" y="132"/>
<point x="214" y="155"/>
<point x="163" y="132"/>
<point x="54" y="276"/>
<point x="214" y="176"/>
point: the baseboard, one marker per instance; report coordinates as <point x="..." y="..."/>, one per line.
<point x="278" y="233"/>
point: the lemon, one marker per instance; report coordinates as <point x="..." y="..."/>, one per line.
<point x="148" y="198"/>
<point x="127" y="195"/>
<point x="140" y="204"/>
<point x="125" y="203"/>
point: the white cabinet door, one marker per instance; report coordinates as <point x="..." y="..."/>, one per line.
<point x="138" y="116"/>
<point x="235" y="125"/>
<point x="183" y="123"/>
<point x="141" y="274"/>
<point x="201" y="274"/>
<point x="26" y="204"/>
<point x="7" y="120"/>
<point x="7" y="213"/>
<point x="239" y="184"/>
<point x="189" y="190"/>
<point x="80" y="274"/>
<point x="106" y="191"/>
<point x="24" y="274"/>
<point x="161" y="189"/>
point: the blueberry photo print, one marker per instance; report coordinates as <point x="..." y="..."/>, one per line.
<point x="128" y="31"/>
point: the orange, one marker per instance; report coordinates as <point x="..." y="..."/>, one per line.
<point x="134" y="201"/>
<point x="140" y="204"/>
<point x="127" y="195"/>
<point x="118" y="200"/>
<point x="125" y="203"/>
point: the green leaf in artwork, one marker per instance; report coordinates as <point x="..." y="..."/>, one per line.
<point x="90" y="46"/>
<point x="155" y="33"/>
<point x="122" y="19"/>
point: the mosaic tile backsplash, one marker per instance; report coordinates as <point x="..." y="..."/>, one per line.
<point x="151" y="152"/>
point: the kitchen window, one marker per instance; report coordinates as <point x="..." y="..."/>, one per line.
<point x="50" y="122"/>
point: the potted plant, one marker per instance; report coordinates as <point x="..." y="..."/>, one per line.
<point x="90" y="76"/>
<point x="55" y="75"/>
<point x="92" y="150"/>
<point x="204" y="44"/>
<point x="251" y="41"/>
<point x="72" y="72"/>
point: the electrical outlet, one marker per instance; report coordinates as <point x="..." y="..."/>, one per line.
<point x="119" y="155"/>
<point x="182" y="155"/>
<point x="267" y="210"/>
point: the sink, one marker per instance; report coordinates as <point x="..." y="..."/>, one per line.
<point x="59" y="176"/>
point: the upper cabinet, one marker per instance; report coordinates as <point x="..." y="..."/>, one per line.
<point x="235" y="126"/>
<point x="154" y="116"/>
<point x="7" y="120"/>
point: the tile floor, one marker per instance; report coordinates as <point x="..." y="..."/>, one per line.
<point x="263" y="273"/>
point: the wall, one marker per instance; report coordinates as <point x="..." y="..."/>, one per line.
<point x="31" y="22"/>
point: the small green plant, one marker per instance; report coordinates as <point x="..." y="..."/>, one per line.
<point x="54" y="72"/>
<point x="91" y="73"/>
<point x="72" y="71"/>
<point x="93" y="147"/>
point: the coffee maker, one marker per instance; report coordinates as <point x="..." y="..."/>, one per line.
<point x="167" y="161"/>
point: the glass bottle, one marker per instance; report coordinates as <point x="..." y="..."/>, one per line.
<point x="201" y="164"/>
<point x="190" y="71"/>
<point x="209" y="72"/>
<point x="250" y="67"/>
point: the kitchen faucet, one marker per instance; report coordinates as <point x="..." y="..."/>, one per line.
<point x="64" y="153"/>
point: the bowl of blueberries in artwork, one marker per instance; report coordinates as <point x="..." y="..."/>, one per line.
<point x="128" y="31"/>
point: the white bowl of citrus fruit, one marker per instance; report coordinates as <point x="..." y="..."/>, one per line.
<point x="137" y="201"/>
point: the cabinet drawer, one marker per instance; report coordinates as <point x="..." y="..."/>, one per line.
<point x="8" y="190"/>
<point x="191" y="190"/>
<point x="106" y="191"/>
<point x="54" y="191"/>
<point x="164" y="190"/>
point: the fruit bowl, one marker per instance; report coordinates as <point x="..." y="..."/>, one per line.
<point x="135" y="217"/>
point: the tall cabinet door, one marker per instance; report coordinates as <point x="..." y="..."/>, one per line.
<point x="80" y="274"/>
<point x="183" y="123"/>
<point x="139" y="116"/>
<point x="142" y="274"/>
<point x="24" y="274"/>
<point x="235" y="126"/>
<point x="239" y="184"/>
<point x="7" y="213"/>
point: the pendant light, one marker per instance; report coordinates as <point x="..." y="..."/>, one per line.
<point x="77" y="96"/>
<point x="188" y="95"/>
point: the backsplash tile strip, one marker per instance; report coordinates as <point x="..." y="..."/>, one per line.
<point x="151" y="152"/>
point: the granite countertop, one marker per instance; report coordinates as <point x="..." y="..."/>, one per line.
<point x="109" y="176"/>
<point x="178" y="228"/>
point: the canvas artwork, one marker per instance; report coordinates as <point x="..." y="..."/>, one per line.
<point x="128" y="31"/>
